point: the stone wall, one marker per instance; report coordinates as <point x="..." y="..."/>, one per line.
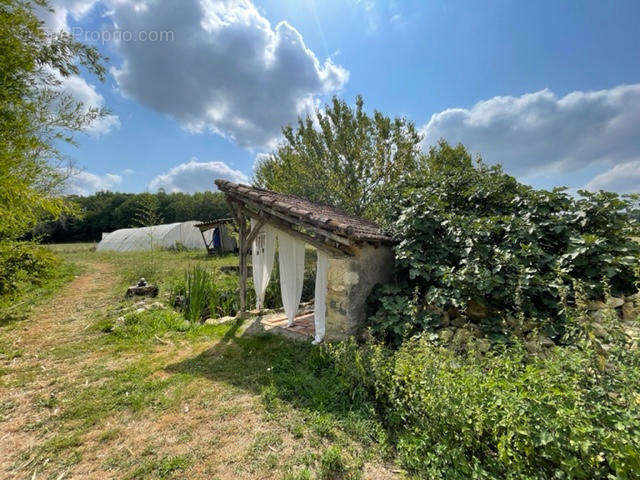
<point x="350" y="281"/>
<point x="461" y="330"/>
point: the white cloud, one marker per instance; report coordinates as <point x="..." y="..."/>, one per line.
<point x="227" y="69"/>
<point x="56" y="20"/>
<point x="85" y="183"/>
<point x="623" y="178"/>
<point x="220" y="67"/>
<point x="86" y="93"/>
<point x="74" y="85"/>
<point x="539" y="133"/>
<point x="195" y="176"/>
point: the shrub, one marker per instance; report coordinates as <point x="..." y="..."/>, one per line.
<point x="24" y="263"/>
<point x="470" y="233"/>
<point x="273" y="297"/>
<point x="574" y="413"/>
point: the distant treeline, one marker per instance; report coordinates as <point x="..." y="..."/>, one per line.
<point x="109" y="211"/>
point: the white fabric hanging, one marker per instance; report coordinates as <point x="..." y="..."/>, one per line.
<point x="262" y="253"/>
<point x="320" y="305"/>
<point x="291" y="262"/>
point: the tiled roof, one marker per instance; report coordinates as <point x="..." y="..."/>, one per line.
<point x="321" y="216"/>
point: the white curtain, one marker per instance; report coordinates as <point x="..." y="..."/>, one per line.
<point x="262" y="253"/>
<point x="320" y="305"/>
<point x="291" y="262"/>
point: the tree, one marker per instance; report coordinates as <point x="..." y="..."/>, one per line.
<point x="35" y="115"/>
<point x="108" y="211"/>
<point x="147" y="211"/>
<point x="342" y="157"/>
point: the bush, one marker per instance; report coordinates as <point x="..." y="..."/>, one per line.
<point x="22" y="264"/>
<point x="471" y="233"/>
<point x="574" y="413"/>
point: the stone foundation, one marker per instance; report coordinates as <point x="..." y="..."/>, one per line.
<point x="350" y="280"/>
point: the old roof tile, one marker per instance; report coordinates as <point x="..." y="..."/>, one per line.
<point x="322" y="216"/>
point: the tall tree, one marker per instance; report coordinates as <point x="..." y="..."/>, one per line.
<point x="36" y="114"/>
<point x="342" y="156"/>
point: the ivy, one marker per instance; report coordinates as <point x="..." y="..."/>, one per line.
<point x="471" y="233"/>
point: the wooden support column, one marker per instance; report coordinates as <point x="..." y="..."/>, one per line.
<point x="243" y="262"/>
<point x="241" y="220"/>
<point x="206" y="245"/>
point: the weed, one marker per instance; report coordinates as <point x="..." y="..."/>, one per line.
<point x="303" y="474"/>
<point x="332" y="465"/>
<point x="162" y="468"/>
<point x="49" y="401"/>
<point x="62" y="442"/>
<point x="198" y="293"/>
<point x="109" y="435"/>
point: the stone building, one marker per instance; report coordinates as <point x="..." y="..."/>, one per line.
<point x="359" y="252"/>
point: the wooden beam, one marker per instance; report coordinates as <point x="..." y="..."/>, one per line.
<point x="287" y="218"/>
<point x="254" y="233"/>
<point x="206" y="245"/>
<point x="336" y="251"/>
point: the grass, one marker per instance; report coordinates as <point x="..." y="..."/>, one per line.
<point x="87" y="388"/>
<point x="16" y="307"/>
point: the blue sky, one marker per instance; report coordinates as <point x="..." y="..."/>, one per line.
<point x="549" y="89"/>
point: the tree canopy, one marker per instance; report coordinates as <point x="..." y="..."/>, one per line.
<point x="109" y="211"/>
<point x="36" y="114"/>
<point x="342" y="156"/>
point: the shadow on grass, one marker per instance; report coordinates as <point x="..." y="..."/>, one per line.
<point x="301" y="375"/>
<point x="230" y="334"/>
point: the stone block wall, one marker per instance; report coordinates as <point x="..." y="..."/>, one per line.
<point x="350" y="280"/>
<point x="462" y="330"/>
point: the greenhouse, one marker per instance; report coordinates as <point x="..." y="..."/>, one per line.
<point x="173" y="235"/>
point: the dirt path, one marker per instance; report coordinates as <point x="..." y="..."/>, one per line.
<point x="33" y="373"/>
<point x="177" y="424"/>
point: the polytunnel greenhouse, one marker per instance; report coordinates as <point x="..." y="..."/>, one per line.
<point x="172" y="235"/>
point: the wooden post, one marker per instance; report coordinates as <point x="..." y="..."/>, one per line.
<point x="242" y="239"/>
<point x="206" y="245"/>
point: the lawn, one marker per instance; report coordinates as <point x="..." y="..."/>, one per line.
<point x="90" y="388"/>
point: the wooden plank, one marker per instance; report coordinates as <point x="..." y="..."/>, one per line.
<point x="206" y="245"/>
<point x="279" y="224"/>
